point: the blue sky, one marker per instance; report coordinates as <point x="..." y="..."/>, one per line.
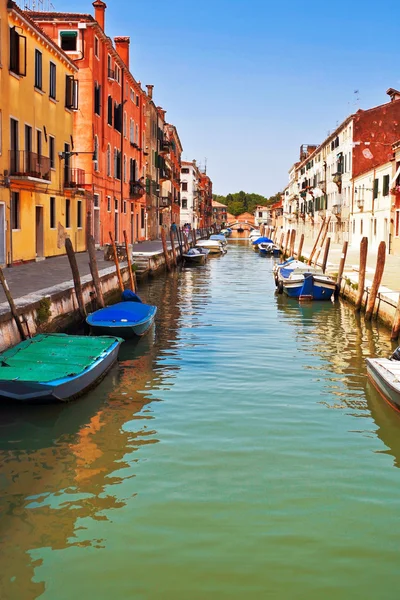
<point x="247" y="82"/>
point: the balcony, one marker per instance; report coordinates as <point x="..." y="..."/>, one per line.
<point x="166" y="201"/>
<point x="165" y="146"/>
<point x="136" y="190"/>
<point x="29" y="165"/>
<point x="74" y="178"/>
<point x="165" y="174"/>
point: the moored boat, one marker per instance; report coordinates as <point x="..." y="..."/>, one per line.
<point x="268" y="249"/>
<point x="219" y="237"/>
<point x="196" y="256"/>
<point x="214" y="246"/>
<point x="254" y="234"/>
<point x="307" y="286"/>
<point x="384" y="374"/>
<point x="55" y="367"/>
<point x="125" y="319"/>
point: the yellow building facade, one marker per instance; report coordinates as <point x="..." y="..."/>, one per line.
<point x="42" y="197"/>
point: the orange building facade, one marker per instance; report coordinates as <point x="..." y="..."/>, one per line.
<point x="205" y="205"/>
<point x="107" y="153"/>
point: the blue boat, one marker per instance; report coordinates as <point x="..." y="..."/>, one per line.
<point x="55" y="367"/>
<point x="306" y="285"/>
<point x="268" y="249"/>
<point x="126" y="319"/>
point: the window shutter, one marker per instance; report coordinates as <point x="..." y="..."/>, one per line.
<point x="376" y="188"/>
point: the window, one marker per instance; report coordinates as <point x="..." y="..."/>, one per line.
<point x="111" y="73"/>
<point x="117" y="164"/>
<point x="108" y="203"/>
<point x="184" y="170"/>
<point x="96" y="153"/>
<point x="71" y="92"/>
<point x="52" y="152"/>
<point x="96" y="200"/>
<point x="39" y="142"/>
<point x="117" y="74"/>
<point x="361" y="226"/>
<point x="137" y="134"/>
<point x="79" y="214"/>
<point x="97" y="98"/>
<point x="386" y="185"/>
<point x="118" y="117"/>
<point x="67" y="213"/>
<point x="38" y="70"/>
<point x="53" y="81"/>
<point x="142" y="218"/>
<point x="260" y="215"/>
<point x="376" y="188"/>
<point x="69" y="41"/>
<point x="52" y="213"/>
<point x="132" y="131"/>
<point x="132" y="95"/>
<point x="137" y="100"/>
<point x="184" y="186"/>
<point x="184" y="202"/>
<point x="17" y="52"/>
<point x="124" y="207"/>
<point x="125" y="125"/>
<point x="15" y="210"/>
<point x="109" y="111"/>
<point x="96" y="47"/>
<point x="109" y="160"/>
<point x="124" y="168"/>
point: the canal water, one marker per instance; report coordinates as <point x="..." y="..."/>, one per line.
<point x="237" y="451"/>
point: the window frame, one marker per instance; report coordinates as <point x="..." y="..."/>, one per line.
<point x="52" y="80"/>
<point x="67" y="213"/>
<point x="52" y="213"/>
<point x="38" y="70"/>
<point x="52" y="152"/>
<point x="69" y="36"/>
<point x="15" y="211"/>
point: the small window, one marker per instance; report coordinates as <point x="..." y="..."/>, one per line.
<point x="137" y="100"/>
<point x="376" y="188"/>
<point x="96" y="47"/>
<point x="184" y="202"/>
<point x="17" y="52"/>
<point x="109" y="160"/>
<point x="117" y="74"/>
<point x="96" y="153"/>
<point x="132" y="95"/>
<point x="97" y="98"/>
<point x="15" y="211"/>
<point x="96" y="200"/>
<point x="184" y="186"/>
<point x="386" y="185"/>
<point x="116" y="204"/>
<point x="53" y="81"/>
<point x="52" y="213"/>
<point x="52" y="152"/>
<point x="125" y="125"/>
<point x="184" y="170"/>
<point x="124" y="207"/>
<point x="142" y="218"/>
<point x="38" y="70"/>
<point x="108" y="203"/>
<point x="79" y="214"/>
<point x="69" y="41"/>
<point x="110" y="110"/>
<point x="67" y="213"/>
<point x="111" y="73"/>
<point x="71" y="92"/>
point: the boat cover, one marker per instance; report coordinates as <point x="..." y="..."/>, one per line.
<point x="123" y="312"/>
<point x="129" y="296"/>
<point x="262" y="240"/>
<point x="51" y="357"/>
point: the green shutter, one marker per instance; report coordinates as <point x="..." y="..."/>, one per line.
<point x="386" y="181"/>
<point x="376" y="188"/>
<point x="69" y="34"/>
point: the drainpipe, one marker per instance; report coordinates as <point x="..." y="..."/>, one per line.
<point x="122" y="147"/>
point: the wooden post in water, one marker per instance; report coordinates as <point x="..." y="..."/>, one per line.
<point x="316" y="242"/>
<point x="95" y="271"/>
<point x="194" y="241"/>
<point x="165" y="249"/>
<point x="380" y="266"/>
<point x="300" y="249"/>
<point x="179" y="234"/>
<point x="326" y="253"/>
<point x="396" y="323"/>
<point x="116" y="261"/>
<point x="292" y="241"/>
<point x="128" y="258"/>
<point x="75" y="275"/>
<point x="361" y="272"/>
<point x="13" y="308"/>
<point x="341" y="265"/>
<point x="325" y="233"/>
<point x="281" y="241"/>
<point x="286" y="243"/>
<point x="172" y="238"/>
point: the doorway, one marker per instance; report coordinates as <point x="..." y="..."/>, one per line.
<point x="2" y="234"/>
<point x="39" y="232"/>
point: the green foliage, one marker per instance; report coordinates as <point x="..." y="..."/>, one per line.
<point x="241" y="202"/>
<point x="43" y="312"/>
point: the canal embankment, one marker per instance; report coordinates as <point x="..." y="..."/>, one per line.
<point x="44" y="293"/>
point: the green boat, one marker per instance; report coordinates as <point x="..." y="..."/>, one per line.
<point x="55" y="367"/>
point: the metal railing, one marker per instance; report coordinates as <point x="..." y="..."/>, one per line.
<point x="166" y="200"/>
<point x="29" y="164"/>
<point x="136" y="190"/>
<point x="74" y="178"/>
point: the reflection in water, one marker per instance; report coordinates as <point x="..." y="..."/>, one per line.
<point x="207" y="444"/>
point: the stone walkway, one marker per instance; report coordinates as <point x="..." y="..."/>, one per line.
<point x="35" y="276"/>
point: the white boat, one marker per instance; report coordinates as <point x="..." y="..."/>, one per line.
<point x="214" y="246"/>
<point x="196" y="256"/>
<point x="384" y="374"/>
<point x="268" y="249"/>
<point x="219" y="237"/>
<point x="254" y="235"/>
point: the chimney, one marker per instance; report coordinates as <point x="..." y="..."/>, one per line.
<point x="122" y="47"/>
<point x="394" y="94"/>
<point x="150" y="91"/>
<point x="161" y="112"/>
<point x="100" y="12"/>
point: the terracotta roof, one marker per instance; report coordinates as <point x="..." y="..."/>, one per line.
<point x="65" y="16"/>
<point x="218" y="204"/>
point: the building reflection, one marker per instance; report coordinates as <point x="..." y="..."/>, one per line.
<point x="61" y="463"/>
<point x="342" y="341"/>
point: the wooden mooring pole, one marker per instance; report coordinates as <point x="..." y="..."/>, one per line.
<point x="361" y="272"/>
<point x="300" y="248"/>
<point x="172" y="238"/>
<point x="129" y="260"/>
<point x="116" y="261"/>
<point x="286" y="243"/>
<point x="341" y="265"/>
<point x="380" y="267"/>
<point x="91" y="245"/>
<point x="13" y="308"/>
<point x="326" y="253"/>
<point x="75" y="275"/>
<point x="324" y="234"/>
<point x="396" y="323"/>
<point x="292" y="241"/>
<point x="165" y="249"/>
<point x="316" y="242"/>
